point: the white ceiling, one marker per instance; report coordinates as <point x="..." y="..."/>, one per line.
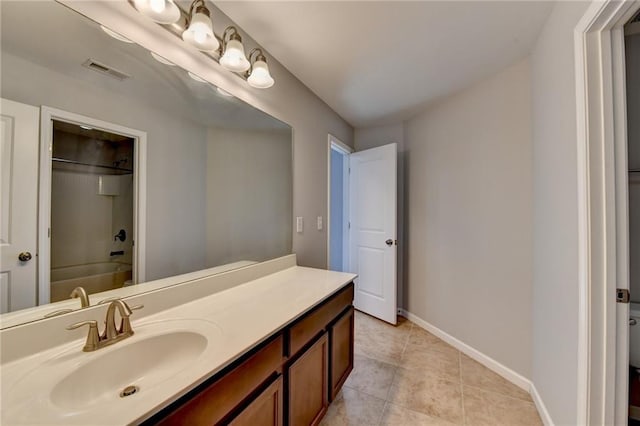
<point x="383" y="61"/>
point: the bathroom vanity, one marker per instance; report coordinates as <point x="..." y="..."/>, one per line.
<point x="270" y="343"/>
<point x="301" y="367"/>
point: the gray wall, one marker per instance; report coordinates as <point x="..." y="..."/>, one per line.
<point x="469" y="217"/>
<point x="555" y="214"/>
<point x="253" y="223"/>
<point x="176" y="172"/>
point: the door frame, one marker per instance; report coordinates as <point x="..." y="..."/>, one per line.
<point x="602" y="212"/>
<point x="338" y="145"/>
<point x="47" y="114"/>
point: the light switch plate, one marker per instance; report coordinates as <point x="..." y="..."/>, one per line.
<point x="319" y="223"/>
<point x="299" y="224"/>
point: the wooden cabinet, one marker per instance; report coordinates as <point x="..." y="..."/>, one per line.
<point x="212" y="404"/>
<point x="341" y="336"/>
<point x="265" y="410"/>
<point x="308" y="381"/>
<point x="289" y="380"/>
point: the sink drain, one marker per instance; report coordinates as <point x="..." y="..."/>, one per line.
<point x="129" y="390"/>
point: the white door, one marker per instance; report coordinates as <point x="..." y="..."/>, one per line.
<point x="19" y="130"/>
<point x="373" y="245"/>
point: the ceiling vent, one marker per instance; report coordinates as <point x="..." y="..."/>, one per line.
<point x="94" y="65"/>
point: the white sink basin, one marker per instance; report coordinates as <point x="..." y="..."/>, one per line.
<point x="141" y="363"/>
<point x="72" y="383"/>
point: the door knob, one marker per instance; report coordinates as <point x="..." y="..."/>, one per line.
<point x="25" y="256"/>
<point x="389" y="242"/>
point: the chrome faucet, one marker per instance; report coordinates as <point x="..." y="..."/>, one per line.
<point x="111" y="333"/>
<point x="82" y="294"/>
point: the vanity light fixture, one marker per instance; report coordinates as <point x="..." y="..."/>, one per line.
<point x="195" y="27"/>
<point x="258" y="75"/>
<point x="233" y="57"/>
<point x="162" y="60"/>
<point x="199" y="33"/>
<point x="161" y="11"/>
<point x="115" y="35"/>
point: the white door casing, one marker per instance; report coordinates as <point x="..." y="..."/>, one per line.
<point x="602" y="207"/>
<point x="372" y="202"/>
<point x="19" y="128"/>
<point x="48" y="114"/>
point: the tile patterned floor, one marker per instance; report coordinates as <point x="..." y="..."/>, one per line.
<point x="404" y="375"/>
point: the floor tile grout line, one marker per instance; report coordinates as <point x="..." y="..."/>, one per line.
<point x="384" y="408"/>
<point x="464" y="414"/>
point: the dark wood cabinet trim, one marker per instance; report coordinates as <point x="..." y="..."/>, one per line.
<point x="341" y="336"/>
<point x="211" y="404"/>
<point x="265" y="409"/>
<point x="300" y="376"/>
<point x="302" y="331"/>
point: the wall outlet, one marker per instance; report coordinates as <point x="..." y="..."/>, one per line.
<point x="319" y="223"/>
<point x="299" y="224"/>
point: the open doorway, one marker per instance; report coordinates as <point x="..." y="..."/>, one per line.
<point x="91" y="210"/>
<point x="92" y="202"/>
<point x="338" y="217"/>
<point x="632" y="74"/>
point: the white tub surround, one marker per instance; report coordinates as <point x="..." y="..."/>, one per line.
<point x="234" y="321"/>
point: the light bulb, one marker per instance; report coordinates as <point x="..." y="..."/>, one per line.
<point x="161" y="11"/>
<point x="233" y="58"/>
<point x="199" y="33"/>
<point x="260" y="77"/>
<point x="157" y="6"/>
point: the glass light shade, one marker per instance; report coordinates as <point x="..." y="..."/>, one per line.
<point x="162" y="59"/>
<point x="161" y="11"/>
<point x="196" y="77"/>
<point x="233" y="58"/>
<point x="199" y="34"/>
<point x="115" y="35"/>
<point x="260" y="77"/>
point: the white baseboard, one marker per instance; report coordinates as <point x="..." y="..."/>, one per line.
<point x="493" y="365"/>
<point x="542" y="409"/>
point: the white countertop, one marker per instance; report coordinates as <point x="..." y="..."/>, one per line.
<point x="234" y="321"/>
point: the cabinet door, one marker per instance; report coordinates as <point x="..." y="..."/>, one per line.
<point x="265" y="410"/>
<point x="341" y="344"/>
<point x="308" y="385"/>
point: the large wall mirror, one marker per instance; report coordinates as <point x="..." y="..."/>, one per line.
<point x="120" y="168"/>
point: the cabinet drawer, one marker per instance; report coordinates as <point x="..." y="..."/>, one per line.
<point x="308" y="327"/>
<point x="213" y="403"/>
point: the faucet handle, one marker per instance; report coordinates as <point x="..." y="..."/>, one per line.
<point x="125" y="323"/>
<point x="107" y="300"/>
<point x="92" y="338"/>
<point x="91" y="324"/>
